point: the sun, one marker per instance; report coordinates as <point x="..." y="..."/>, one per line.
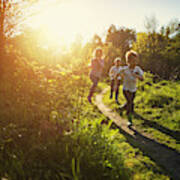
<point x="59" y="24"/>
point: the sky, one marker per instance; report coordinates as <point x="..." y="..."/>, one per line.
<point x="129" y="13"/>
<point x="70" y="18"/>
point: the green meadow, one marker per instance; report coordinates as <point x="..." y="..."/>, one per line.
<point x="156" y="110"/>
<point x="49" y="130"/>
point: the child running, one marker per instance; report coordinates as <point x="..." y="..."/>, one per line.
<point x="130" y="74"/>
<point x="115" y="78"/>
<point x="97" y="65"/>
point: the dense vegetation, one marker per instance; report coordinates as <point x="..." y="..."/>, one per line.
<point x="48" y="131"/>
<point x="157" y="106"/>
<point x="47" y="128"/>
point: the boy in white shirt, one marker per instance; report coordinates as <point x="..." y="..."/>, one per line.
<point x="115" y="78"/>
<point x="130" y="74"/>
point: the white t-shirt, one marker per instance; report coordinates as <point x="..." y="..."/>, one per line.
<point x="129" y="81"/>
<point x="114" y="71"/>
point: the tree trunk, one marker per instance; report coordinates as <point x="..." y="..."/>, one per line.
<point x="2" y="17"/>
<point x="2" y="37"/>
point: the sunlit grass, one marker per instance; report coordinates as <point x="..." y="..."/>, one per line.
<point x="157" y="103"/>
<point x="57" y="134"/>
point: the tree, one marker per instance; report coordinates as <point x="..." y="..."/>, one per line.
<point x="174" y="26"/>
<point x="160" y="52"/>
<point x="97" y="41"/>
<point x="13" y="14"/>
<point x="121" y="38"/>
<point x="151" y="24"/>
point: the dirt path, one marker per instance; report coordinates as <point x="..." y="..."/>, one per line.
<point x="164" y="156"/>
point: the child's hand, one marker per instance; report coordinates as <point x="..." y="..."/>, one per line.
<point x="121" y="75"/>
<point x="138" y="76"/>
<point x="135" y="74"/>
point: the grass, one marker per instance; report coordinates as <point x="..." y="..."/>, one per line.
<point x="68" y="139"/>
<point x="135" y="163"/>
<point x="157" y="110"/>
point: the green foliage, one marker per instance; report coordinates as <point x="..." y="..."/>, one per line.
<point x="47" y="129"/>
<point x="159" y="54"/>
<point x="121" y="38"/>
<point x="157" y="108"/>
<point x="118" y="42"/>
<point x="158" y="51"/>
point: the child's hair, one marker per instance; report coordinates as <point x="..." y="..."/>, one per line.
<point x="96" y="51"/>
<point x="130" y="54"/>
<point x="117" y="59"/>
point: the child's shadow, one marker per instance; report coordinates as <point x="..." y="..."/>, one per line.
<point x="155" y="125"/>
<point x="159" y="153"/>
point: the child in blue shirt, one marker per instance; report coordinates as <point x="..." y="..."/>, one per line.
<point x="97" y="65"/>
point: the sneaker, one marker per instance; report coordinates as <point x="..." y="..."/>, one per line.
<point x="89" y="99"/>
<point x="129" y="124"/>
<point x="129" y="120"/>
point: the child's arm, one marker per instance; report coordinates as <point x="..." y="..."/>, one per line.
<point x="138" y="76"/>
<point x="120" y="73"/>
<point x="138" y="73"/>
<point x="102" y="63"/>
<point x="111" y="72"/>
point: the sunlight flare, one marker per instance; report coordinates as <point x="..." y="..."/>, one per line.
<point x="60" y="24"/>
